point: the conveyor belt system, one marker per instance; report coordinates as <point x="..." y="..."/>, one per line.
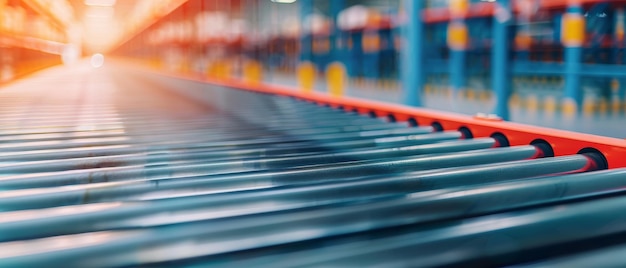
<point x="115" y="171"/>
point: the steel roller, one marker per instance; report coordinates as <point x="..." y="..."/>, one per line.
<point x="128" y="171"/>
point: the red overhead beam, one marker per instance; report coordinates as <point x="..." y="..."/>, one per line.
<point x="486" y="9"/>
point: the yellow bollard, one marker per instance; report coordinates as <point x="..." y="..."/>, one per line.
<point x="225" y="69"/>
<point x="532" y="103"/>
<point x="210" y="70"/>
<point x="569" y="107"/>
<point x="550" y="104"/>
<point x="603" y="106"/>
<point x="335" y="79"/>
<point x="458" y="94"/>
<point x="381" y="84"/>
<point x="394" y="85"/>
<point x="185" y="68"/>
<point x="514" y="100"/>
<point x="484" y="95"/>
<point x="155" y="63"/>
<point x="306" y="76"/>
<point x="427" y="89"/>
<point x="589" y="107"/>
<point x="470" y="94"/>
<point x="253" y="72"/>
<point x="616" y="106"/>
<point x="218" y="69"/>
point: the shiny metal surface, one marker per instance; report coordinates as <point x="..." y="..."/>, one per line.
<point x="120" y="171"/>
<point x="206" y="206"/>
<point x="610" y="256"/>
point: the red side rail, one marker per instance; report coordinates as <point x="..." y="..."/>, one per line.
<point x="563" y="142"/>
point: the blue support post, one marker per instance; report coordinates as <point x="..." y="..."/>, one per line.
<point x="500" y="66"/>
<point x="457" y="69"/>
<point x="572" y="36"/>
<point x="371" y="54"/>
<point x="306" y="9"/>
<point x="387" y="55"/>
<point x="458" y="42"/>
<point x="413" y="59"/>
<point x="336" y="6"/>
<point x="356" y="53"/>
<point x="620" y="32"/>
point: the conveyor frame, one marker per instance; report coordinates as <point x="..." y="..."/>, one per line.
<point x="562" y="142"/>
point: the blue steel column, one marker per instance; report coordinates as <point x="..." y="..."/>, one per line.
<point x="413" y="60"/>
<point x="457" y="70"/>
<point x="500" y="66"/>
<point x="458" y="47"/>
<point x="620" y="29"/>
<point x="573" y="59"/>
<point x="335" y="8"/>
<point x="306" y="9"/>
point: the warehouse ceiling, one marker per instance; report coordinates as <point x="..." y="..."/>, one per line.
<point x="105" y="24"/>
<point x="100" y="21"/>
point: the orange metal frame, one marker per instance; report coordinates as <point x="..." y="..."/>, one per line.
<point x="562" y="142"/>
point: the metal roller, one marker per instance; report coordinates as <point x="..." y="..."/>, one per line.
<point x="611" y="256"/>
<point x="259" y="163"/>
<point x="138" y="215"/>
<point x="216" y="140"/>
<point x="101" y="178"/>
<point x="426" y="243"/>
<point x="164" y="170"/>
<point x="223" y="141"/>
<point x="213" y="151"/>
<point x="571" y="226"/>
<point x="200" y="128"/>
<point x="140" y="123"/>
<point x="198" y="177"/>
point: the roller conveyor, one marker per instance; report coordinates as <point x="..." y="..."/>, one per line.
<point x="118" y="170"/>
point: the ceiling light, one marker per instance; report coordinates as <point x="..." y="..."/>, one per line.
<point x="100" y="12"/>
<point x="100" y="3"/>
<point x="284" y="1"/>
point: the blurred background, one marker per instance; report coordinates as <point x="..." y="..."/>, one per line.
<point x="555" y="63"/>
